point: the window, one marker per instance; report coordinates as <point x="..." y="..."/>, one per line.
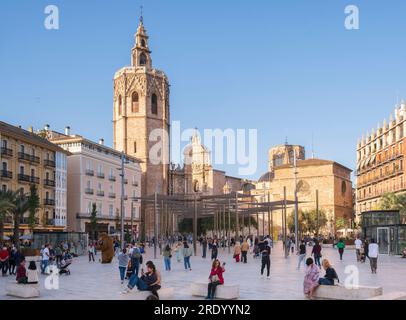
<point x="143" y="59"/>
<point x="135" y="146"/>
<point x="401" y="147"/>
<point x="134" y="102"/>
<point x="154" y="104"/>
<point x="22" y="149"/>
<point x="343" y="188"/>
<point x="142" y="43"/>
<point x="120" y="102"/>
<point x="4" y="167"/>
<point x="89" y="184"/>
<point x="4" y="188"/>
<point x="32" y="172"/>
<point x="21" y="170"/>
<point x="47" y="195"/>
<point x="4" y="144"/>
<point x="111" y="209"/>
<point x="99" y="187"/>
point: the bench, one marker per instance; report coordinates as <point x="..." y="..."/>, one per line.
<point x="164" y="294"/>
<point x="226" y="292"/>
<point x="339" y="292"/>
<point x="24" y="291"/>
<point x="397" y="295"/>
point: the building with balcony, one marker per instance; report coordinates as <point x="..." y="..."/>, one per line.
<point x="380" y="161"/>
<point x="94" y="178"/>
<point x="27" y="159"/>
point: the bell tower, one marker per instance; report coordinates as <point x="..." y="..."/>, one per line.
<point x="141" y="116"/>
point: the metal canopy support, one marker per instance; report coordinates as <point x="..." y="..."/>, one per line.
<point x="237" y="227"/>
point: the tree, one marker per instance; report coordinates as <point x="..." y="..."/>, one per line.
<point x="93" y="220"/>
<point x="6" y="208"/>
<point x="21" y="206"/>
<point x="392" y="201"/>
<point x="33" y="205"/>
<point x="341" y="223"/>
<point x="308" y="222"/>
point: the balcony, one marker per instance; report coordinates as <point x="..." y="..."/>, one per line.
<point x="89" y="191"/>
<point x="27" y="178"/>
<point x="6" y="174"/>
<point x="5" y="152"/>
<point x="49" y="163"/>
<point x="27" y="157"/>
<point x="135" y="183"/>
<point x="112" y="178"/>
<point x="100" y="193"/>
<point x="100" y="175"/>
<point x="89" y="172"/>
<point x="49" y="183"/>
<point x="112" y="195"/>
<point x="50" y="222"/>
<point x="49" y="202"/>
<point x="26" y="220"/>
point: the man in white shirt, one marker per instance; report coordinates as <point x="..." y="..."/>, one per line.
<point x="358" y="246"/>
<point x="44" y="259"/>
<point x="373" y="250"/>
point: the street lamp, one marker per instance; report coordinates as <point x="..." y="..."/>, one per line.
<point x="123" y="161"/>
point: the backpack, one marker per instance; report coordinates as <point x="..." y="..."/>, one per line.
<point x="136" y="254"/>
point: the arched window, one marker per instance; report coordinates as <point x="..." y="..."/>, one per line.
<point x="143" y="59"/>
<point x="154" y="104"/>
<point x="142" y="43"/>
<point x="134" y="102"/>
<point x="119" y="105"/>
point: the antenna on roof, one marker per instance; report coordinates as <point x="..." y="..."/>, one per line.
<point x="312" y="146"/>
<point x="286" y="141"/>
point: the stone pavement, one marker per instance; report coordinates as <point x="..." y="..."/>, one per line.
<point x="94" y="281"/>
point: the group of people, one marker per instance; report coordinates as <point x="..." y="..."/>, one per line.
<point x="10" y="259"/>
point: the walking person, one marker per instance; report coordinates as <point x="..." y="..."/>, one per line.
<point x="316" y="252"/>
<point x="58" y="255"/>
<point x="45" y="259"/>
<point x="214" y="250"/>
<point x="91" y="252"/>
<point x="204" y="247"/>
<point x="136" y="260"/>
<point x="311" y="279"/>
<point x="12" y="260"/>
<point x="330" y="275"/>
<point x="4" y="256"/>
<point x="302" y="254"/>
<point x="265" y="251"/>
<point x="373" y="251"/>
<point x="358" y="246"/>
<point x="366" y="248"/>
<point x="167" y="253"/>
<point x="244" y="251"/>
<point x="123" y="259"/>
<point x="187" y="253"/>
<point x="215" y="278"/>
<point x="341" y="246"/>
<point x="237" y="252"/>
<point x="178" y="250"/>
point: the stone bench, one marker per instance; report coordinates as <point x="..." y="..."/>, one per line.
<point x="164" y="294"/>
<point x="226" y="292"/>
<point x="397" y="295"/>
<point x="24" y="291"/>
<point x="339" y="292"/>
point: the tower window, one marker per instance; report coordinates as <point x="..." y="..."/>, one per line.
<point x="142" y="43"/>
<point x="154" y="104"/>
<point x="120" y="105"/>
<point x="143" y="59"/>
<point x="135" y="146"/>
<point x="134" y="102"/>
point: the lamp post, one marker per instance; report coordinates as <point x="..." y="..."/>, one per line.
<point x="296" y="204"/>
<point x="123" y="161"/>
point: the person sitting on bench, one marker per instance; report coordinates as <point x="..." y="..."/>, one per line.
<point x="330" y="276"/>
<point x="21" y="273"/>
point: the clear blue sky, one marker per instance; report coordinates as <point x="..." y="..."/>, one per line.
<point x="288" y="68"/>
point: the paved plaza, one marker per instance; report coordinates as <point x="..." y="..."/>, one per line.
<point x="95" y="281"/>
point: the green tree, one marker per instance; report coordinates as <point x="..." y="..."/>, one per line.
<point x="21" y="206"/>
<point x="308" y="222"/>
<point x="6" y="208"/>
<point x="392" y="201"/>
<point x="341" y="223"/>
<point x="93" y="220"/>
<point x="33" y="205"/>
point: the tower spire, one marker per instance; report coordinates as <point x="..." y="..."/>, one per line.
<point x="141" y="14"/>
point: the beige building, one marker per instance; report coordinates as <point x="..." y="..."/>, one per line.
<point x="380" y="161"/>
<point x="331" y="179"/>
<point x="28" y="159"/>
<point x="94" y="178"/>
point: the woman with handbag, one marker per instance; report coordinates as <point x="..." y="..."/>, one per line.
<point x="167" y="253"/>
<point x="215" y="278"/>
<point x="237" y="252"/>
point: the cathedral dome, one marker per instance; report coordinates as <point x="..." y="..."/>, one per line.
<point x="266" y="177"/>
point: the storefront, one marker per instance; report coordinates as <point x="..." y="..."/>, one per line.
<point x="384" y="227"/>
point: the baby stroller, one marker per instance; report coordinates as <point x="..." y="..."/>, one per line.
<point x="363" y="256"/>
<point x="64" y="267"/>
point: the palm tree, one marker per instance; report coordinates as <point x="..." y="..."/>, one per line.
<point x="21" y="205"/>
<point x="6" y="207"/>
<point x="33" y="205"/>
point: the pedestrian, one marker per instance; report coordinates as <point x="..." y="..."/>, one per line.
<point x="358" y="246"/>
<point x="136" y="260"/>
<point x="187" y="253"/>
<point x="21" y="276"/>
<point x="292" y="245"/>
<point x="45" y="259"/>
<point x="265" y="251"/>
<point x="311" y="278"/>
<point x="149" y="281"/>
<point x="244" y="251"/>
<point x="316" y="252"/>
<point x="4" y="257"/>
<point x="204" y="247"/>
<point x="302" y="254"/>
<point x="178" y="250"/>
<point x="12" y="260"/>
<point x="167" y="253"/>
<point x="58" y="255"/>
<point x="237" y="252"/>
<point x="215" y="278"/>
<point x="373" y="251"/>
<point x="341" y="246"/>
<point x="366" y="248"/>
<point x="330" y="275"/>
<point x="287" y="246"/>
<point x="214" y="250"/>
<point x="91" y="252"/>
<point x="123" y="263"/>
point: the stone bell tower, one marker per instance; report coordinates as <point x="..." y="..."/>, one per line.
<point x="141" y="115"/>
